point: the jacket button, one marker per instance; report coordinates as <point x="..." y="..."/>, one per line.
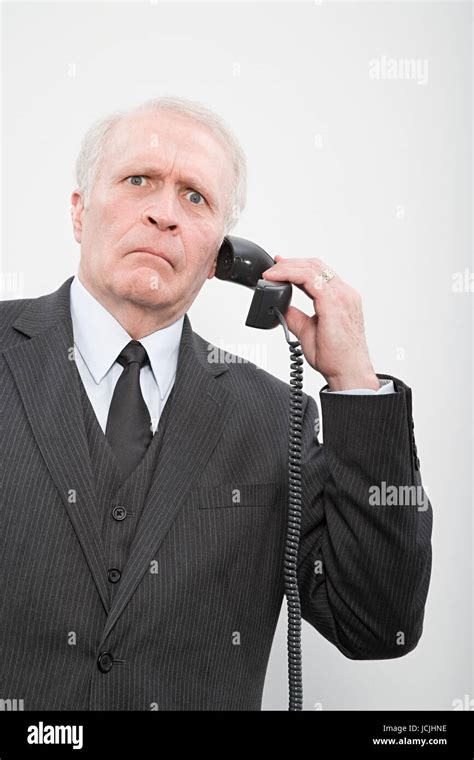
<point x="105" y="661"/>
<point x="119" y="513"/>
<point x="114" y="575"/>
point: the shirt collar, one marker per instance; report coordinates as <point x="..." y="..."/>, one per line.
<point x="100" y="338"/>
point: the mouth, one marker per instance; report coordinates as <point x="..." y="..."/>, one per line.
<point x="153" y="252"/>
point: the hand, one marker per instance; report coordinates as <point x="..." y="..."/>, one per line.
<point x="333" y="338"/>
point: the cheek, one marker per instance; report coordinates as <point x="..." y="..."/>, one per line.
<point x="114" y="218"/>
<point x="200" y="253"/>
<point x="109" y="213"/>
<point x="106" y="226"/>
<point x="201" y="238"/>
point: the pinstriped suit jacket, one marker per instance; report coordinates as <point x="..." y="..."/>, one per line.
<point x="196" y="634"/>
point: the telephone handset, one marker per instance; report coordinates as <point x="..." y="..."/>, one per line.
<point x="243" y="262"/>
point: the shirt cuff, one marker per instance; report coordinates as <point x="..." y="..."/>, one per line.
<point x="386" y="386"/>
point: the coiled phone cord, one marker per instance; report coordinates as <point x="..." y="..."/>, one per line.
<point x="295" y="675"/>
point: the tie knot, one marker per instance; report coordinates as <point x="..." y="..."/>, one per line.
<point x="133" y="352"/>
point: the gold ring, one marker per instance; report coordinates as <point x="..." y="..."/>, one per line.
<point x="327" y="275"/>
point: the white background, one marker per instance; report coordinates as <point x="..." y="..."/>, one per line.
<point x="372" y="176"/>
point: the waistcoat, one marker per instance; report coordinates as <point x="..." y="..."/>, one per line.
<point x="119" y="502"/>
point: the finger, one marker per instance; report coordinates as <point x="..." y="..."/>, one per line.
<point x="296" y="320"/>
<point x="306" y="278"/>
<point x="318" y="263"/>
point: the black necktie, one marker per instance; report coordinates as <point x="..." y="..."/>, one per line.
<point x="128" y="427"/>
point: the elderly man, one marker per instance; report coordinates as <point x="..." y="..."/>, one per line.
<point x="144" y="488"/>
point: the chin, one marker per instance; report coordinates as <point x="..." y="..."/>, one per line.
<point x="143" y="286"/>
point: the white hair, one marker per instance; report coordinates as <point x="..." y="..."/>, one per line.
<point x="90" y="154"/>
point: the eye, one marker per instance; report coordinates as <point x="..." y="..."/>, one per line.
<point x="195" y="193"/>
<point x="136" y="176"/>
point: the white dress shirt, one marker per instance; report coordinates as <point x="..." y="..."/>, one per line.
<point x="386" y="386"/>
<point x="99" y="339"/>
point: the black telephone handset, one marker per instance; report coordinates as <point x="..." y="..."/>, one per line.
<point x="243" y="262"/>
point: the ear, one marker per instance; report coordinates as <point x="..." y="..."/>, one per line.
<point x="212" y="270"/>
<point x="77" y="209"/>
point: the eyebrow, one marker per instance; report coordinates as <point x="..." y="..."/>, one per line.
<point x="151" y="170"/>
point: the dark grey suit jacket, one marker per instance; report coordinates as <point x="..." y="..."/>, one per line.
<point x="197" y="633"/>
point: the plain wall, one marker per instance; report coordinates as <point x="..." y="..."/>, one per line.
<point x="371" y="175"/>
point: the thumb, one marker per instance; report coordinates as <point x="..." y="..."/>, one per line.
<point x="296" y="320"/>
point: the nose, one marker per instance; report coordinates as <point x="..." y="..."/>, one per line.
<point x="161" y="211"/>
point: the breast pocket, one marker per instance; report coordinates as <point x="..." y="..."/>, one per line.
<point x="237" y="495"/>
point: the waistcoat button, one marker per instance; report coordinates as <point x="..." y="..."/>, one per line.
<point x="113" y="575"/>
<point x="119" y="513"/>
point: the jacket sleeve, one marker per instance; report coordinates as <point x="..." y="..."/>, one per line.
<point x="364" y="559"/>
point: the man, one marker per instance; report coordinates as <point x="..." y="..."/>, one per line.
<point x="145" y="487"/>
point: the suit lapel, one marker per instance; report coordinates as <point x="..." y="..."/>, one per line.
<point x="48" y="382"/>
